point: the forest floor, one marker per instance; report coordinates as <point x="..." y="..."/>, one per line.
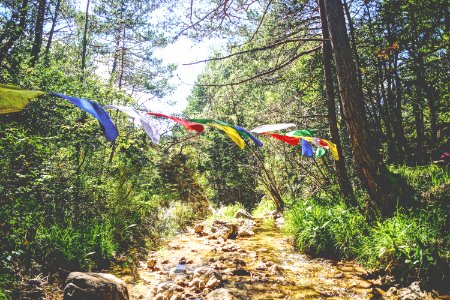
<point x="259" y="263"/>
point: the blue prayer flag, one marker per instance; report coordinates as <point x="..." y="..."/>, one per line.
<point x="109" y="129"/>
<point x="251" y="136"/>
<point x="307" y="149"/>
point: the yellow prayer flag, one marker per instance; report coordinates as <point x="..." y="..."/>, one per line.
<point x="333" y="149"/>
<point x="14" y="99"/>
<point x="231" y="133"/>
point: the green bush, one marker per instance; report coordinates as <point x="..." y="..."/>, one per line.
<point x="423" y="178"/>
<point x="410" y="245"/>
<point x="71" y="248"/>
<point x="263" y="207"/>
<point x="227" y="212"/>
<point x="321" y="230"/>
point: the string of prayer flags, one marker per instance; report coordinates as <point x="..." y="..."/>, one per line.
<point x="243" y="132"/>
<point x="109" y="129"/>
<point x="189" y="125"/>
<point x="14" y="99"/>
<point x="272" y="127"/>
<point x="142" y="119"/>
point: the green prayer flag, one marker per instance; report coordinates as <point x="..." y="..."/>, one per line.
<point x="14" y="99"/>
<point x="301" y="132"/>
<point x="320" y="151"/>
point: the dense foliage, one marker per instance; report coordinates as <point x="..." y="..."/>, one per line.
<point x="71" y="201"/>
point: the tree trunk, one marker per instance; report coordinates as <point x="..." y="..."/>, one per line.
<point x="38" y="31"/>
<point x="343" y="180"/>
<point x="17" y="32"/>
<point x="52" y="29"/>
<point x="86" y="22"/>
<point x="384" y="188"/>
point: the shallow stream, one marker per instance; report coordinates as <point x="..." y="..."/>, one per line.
<point x="263" y="266"/>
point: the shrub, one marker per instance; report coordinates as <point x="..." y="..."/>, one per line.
<point x="263" y="207"/>
<point x="409" y="245"/>
<point x="320" y="230"/>
<point x="70" y="248"/>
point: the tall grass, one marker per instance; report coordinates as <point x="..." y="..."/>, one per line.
<point x="412" y="245"/>
<point x="326" y="230"/>
<point x="71" y="248"/>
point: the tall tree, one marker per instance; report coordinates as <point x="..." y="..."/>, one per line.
<point x="38" y="30"/>
<point x="341" y="171"/>
<point x="385" y="190"/>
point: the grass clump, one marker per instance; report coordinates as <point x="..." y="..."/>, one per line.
<point x="326" y="230"/>
<point x="264" y="206"/>
<point x="410" y="245"/>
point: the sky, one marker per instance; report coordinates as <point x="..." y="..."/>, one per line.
<point x="180" y="52"/>
<point x="183" y="51"/>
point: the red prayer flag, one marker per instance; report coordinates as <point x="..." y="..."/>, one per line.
<point x="287" y="139"/>
<point x="189" y="125"/>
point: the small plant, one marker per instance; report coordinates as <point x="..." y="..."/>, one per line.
<point x="264" y="206"/>
<point x="227" y="212"/>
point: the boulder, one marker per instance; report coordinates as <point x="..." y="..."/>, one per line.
<point x="224" y="230"/>
<point x="243" y="214"/>
<point x="94" y="286"/>
<point x="246" y="226"/>
<point x="198" y="228"/>
<point x="220" y="294"/>
<point x="213" y="283"/>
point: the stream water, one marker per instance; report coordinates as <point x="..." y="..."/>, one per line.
<point x="263" y="266"/>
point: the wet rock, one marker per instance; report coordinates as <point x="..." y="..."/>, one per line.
<point x="275" y="269"/>
<point x="224" y="230"/>
<point x="198" y="229"/>
<point x="241" y="272"/>
<point x="197" y="283"/>
<point x="242" y="213"/>
<point x="246" y="228"/>
<point x="213" y="283"/>
<point x="98" y="286"/>
<point x="220" y="294"/>
<point x="280" y="221"/>
<point x="202" y="271"/>
<point x="391" y="292"/>
<point x="176" y="297"/>
<point x="260" y="266"/>
<point x="413" y="292"/>
<point x="230" y="248"/>
<point x="160" y="297"/>
<point x="269" y="263"/>
<point x="175" y="247"/>
<point x="239" y="262"/>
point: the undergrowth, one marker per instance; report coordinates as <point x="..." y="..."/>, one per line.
<point x="411" y="245"/>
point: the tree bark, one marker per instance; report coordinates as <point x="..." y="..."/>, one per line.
<point x="341" y="172"/>
<point x="38" y="31"/>
<point x="384" y="188"/>
<point x="86" y="23"/>
<point x="52" y="29"/>
<point x="17" y="31"/>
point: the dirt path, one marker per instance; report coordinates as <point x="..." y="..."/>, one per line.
<point x="262" y="266"/>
